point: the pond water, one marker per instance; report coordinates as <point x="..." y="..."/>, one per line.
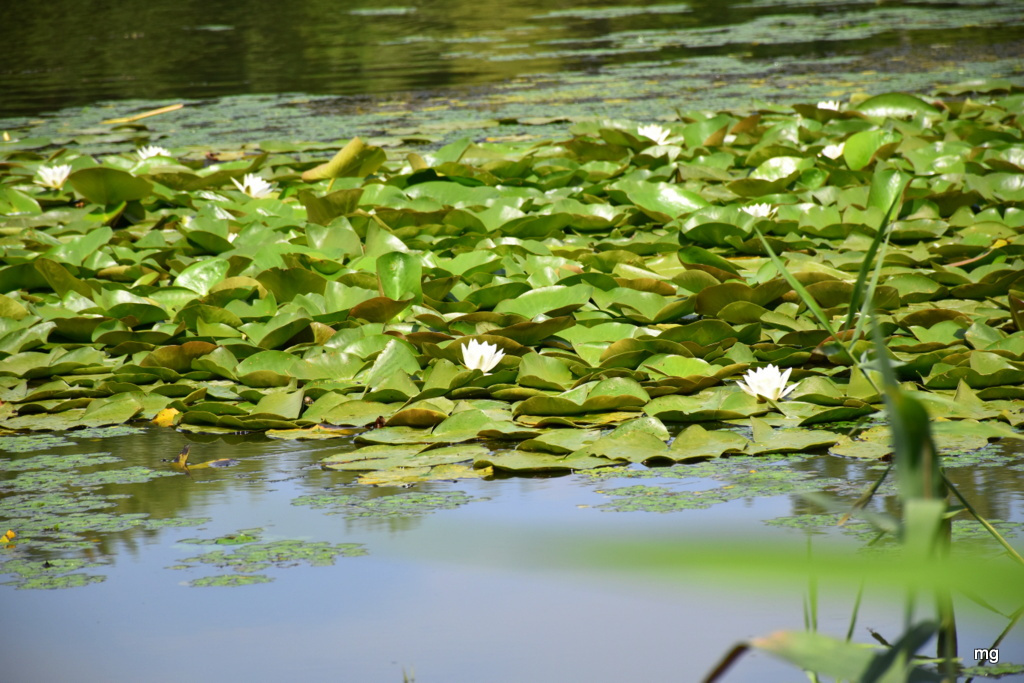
<point x="474" y="580"/>
<point x="467" y="581"/>
<point x="317" y="69"/>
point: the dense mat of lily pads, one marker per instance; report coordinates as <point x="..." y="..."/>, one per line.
<point x="618" y="271"/>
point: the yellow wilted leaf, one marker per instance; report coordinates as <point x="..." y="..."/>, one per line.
<point x="411" y="475"/>
<point x="168" y="417"/>
<point x="395" y="477"/>
<point x="355" y="159"/>
<point x="460" y="472"/>
<point x="145" y="114"/>
<point x="416" y="161"/>
<point x="314" y="432"/>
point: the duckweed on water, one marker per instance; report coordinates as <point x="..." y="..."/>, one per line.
<point x="252" y="556"/>
<point x="963" y="530"/>
<point x="971" y="530"/>
<point x="57" y="462"/>
<point x="993" y="670"/>
<point x="23" y="505"/>
<point x="242" y="537"/>
<point x="104" y="432"/>
<point x="55" y="480"/>
<point x="404" y="504"/>
<point x="50" y="574"/>
<point x="91" y="523"/>
<point x="711" y="469"/>
<point x="988" y="456"/>
<point x="738" y="478"/>
<point x="225" y="580"/>
<point x="32" y="442"/>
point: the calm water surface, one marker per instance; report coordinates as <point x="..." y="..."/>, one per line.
<point x="479" y="592"/>
<point x="61" y="53"/>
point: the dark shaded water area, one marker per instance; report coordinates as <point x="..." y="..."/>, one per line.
<point x="452" y="581"/>
<point x="68" y="54"/>
<point x="316" y="70"/>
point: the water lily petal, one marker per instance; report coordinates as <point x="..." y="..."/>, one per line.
<point x="767" y="382"/>
<point x="53" y="176"/>
<point x="150" y="151"/>
<point x="483" y="356"/>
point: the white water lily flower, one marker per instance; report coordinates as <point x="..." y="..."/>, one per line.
<point x="152" y="151"/>
<point x="767" y="382"/>
<point x="254" y="186"/>
<point x="655" y="132"/>
<point x="481" y="355"/>
<point x="763" y="210"/>
<point x="830" y="104"/>
<point x="832" y="151"/>
<point x="53" y="176"/>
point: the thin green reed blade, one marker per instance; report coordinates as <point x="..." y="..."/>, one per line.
<point x="887" y="189"/>
<point x="918" y="472"/>
<point x="804" y="295"/>
<point x="917" y="459"/>
<point x="922" y="488"/>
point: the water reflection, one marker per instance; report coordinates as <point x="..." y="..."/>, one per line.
<point x="443" y="590"/>
<point x="62" y="54"/>
<point x="278" y="482"/>
<point x="995" y="492"/>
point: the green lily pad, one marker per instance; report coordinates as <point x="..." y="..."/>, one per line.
<point x="384" y="457"/>
<point x="695" y="442"/>
<point x="721" y="405"/>
<point x="108" y="186"/>
<point x="768" y="440"/>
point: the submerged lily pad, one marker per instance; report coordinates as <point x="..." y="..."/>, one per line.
<point x="229" y="580"/>
<point x="50" y="574"/>
<point x="250" y="556"/>
<point x="402" y="504"/>
<point x="734" y="478"/>
<point x="57" y="462"/>
<point x="31" y="442"/>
